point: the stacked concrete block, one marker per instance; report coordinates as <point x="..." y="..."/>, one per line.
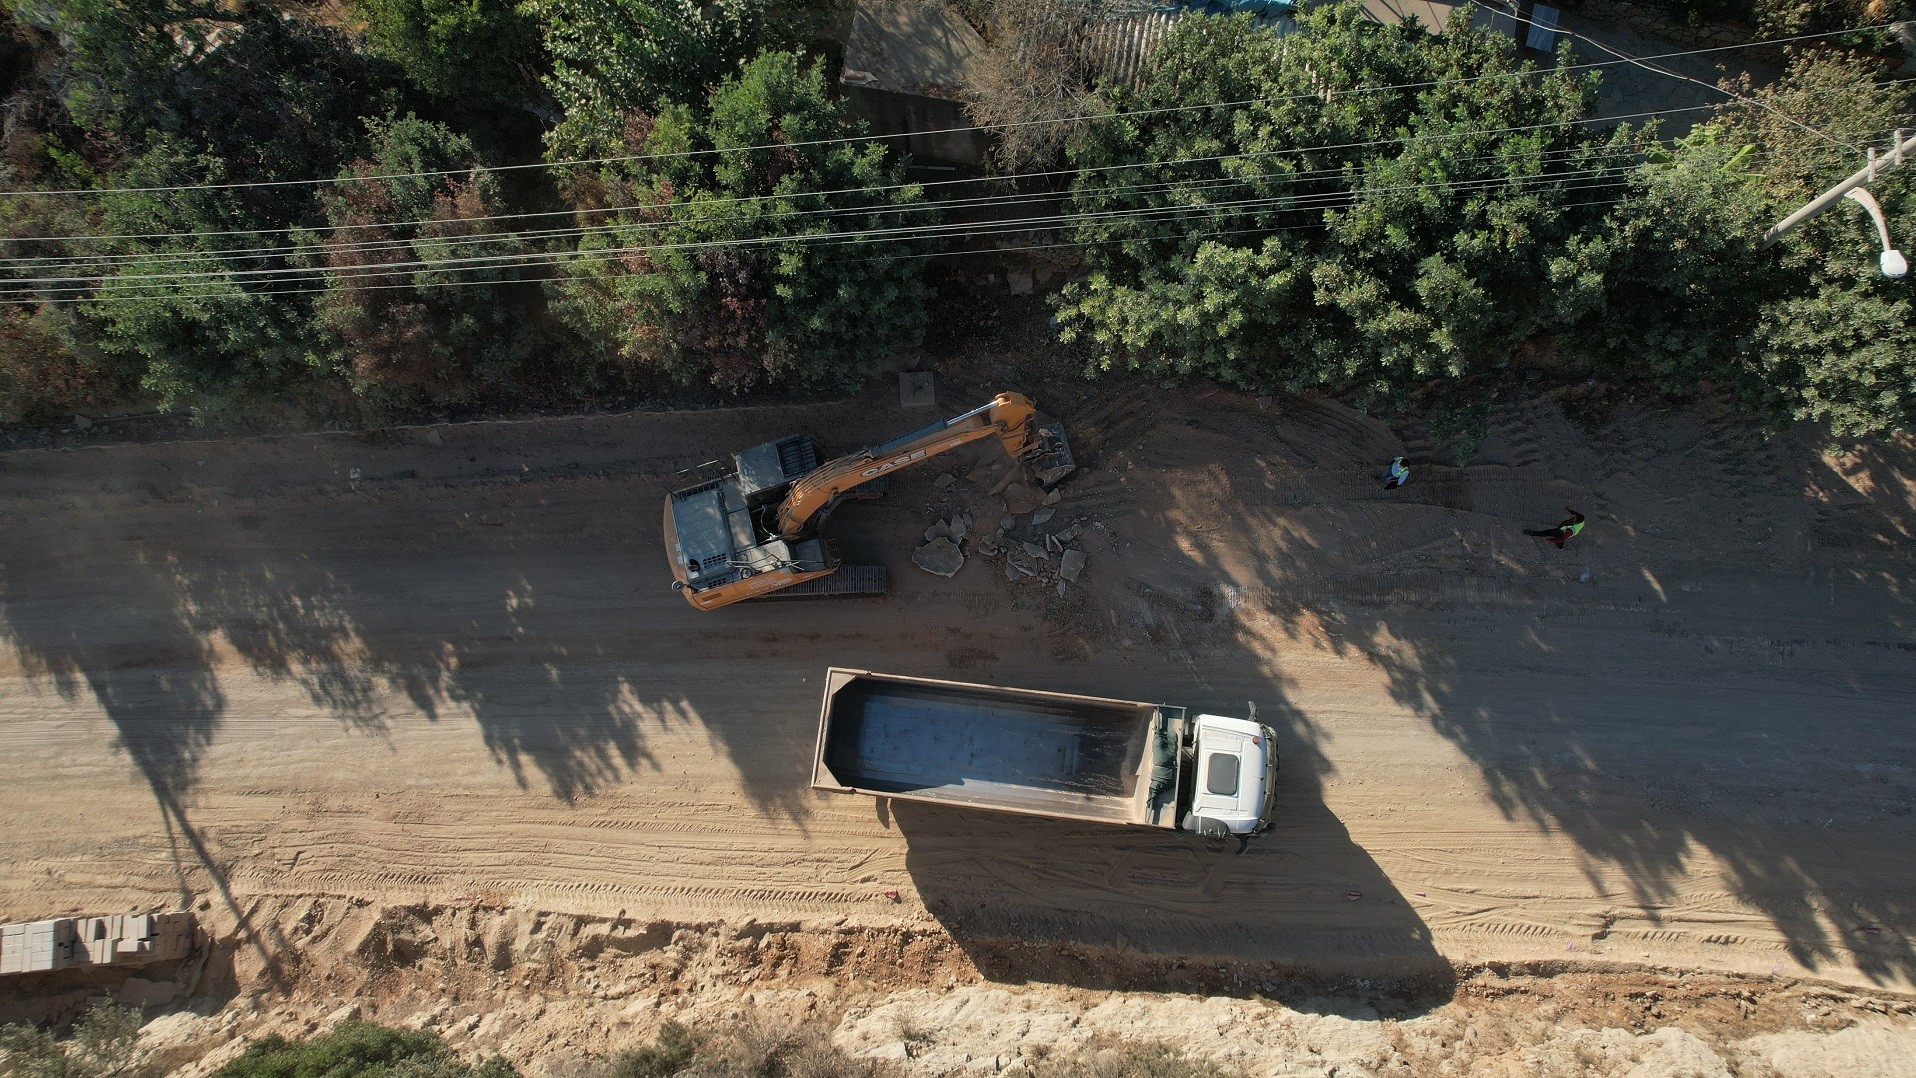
<point x="172" y="936"/>
<point x="13" y="948"/>
<point x="118" y="939"/>
<point x="99" y="938"/>
<point x="37" y="946"/>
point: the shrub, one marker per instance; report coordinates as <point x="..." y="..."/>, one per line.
<point x="358" y="1050"/>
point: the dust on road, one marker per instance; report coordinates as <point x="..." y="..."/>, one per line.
<point x="233" y="673"/>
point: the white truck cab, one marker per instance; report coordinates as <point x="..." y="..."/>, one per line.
<point x="1234" y="771"/>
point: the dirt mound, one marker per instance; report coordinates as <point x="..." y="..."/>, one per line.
<point x="549" y="990"/>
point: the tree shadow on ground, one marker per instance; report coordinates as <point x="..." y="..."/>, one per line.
<point x="1716" y="674"/>
<point x="123" y="640"/>
<point x="511" y="580"/>
<point x="530" y="597"/>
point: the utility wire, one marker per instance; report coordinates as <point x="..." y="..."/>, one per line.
<point x="146" y="258"/>
<point x="906" y="233"/>
<point x="522" y="236"/>
<point x="1327" y="201"/>
<point x="1627" y="58"/>
<point x="238" y="185"/>
<point x="321" y="286"/>
<point x="965" y="230"/>
<point x="1302" y="150"/>
<point x="71" y="267"/>
<point x="1321" y="201"/>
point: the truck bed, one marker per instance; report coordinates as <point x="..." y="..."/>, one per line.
<point x="1045" y="753"/>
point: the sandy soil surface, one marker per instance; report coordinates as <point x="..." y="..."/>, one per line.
<point x="553" y="992"/>
<point x="443" y="666"/>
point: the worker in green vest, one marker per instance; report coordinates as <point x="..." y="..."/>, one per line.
<point x="1562" y="532"/>
<point x="1396" y="475"/>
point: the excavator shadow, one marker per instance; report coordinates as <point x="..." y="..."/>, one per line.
<point x="1303" y="915"/>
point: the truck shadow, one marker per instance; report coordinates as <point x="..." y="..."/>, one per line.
<point x="1303" y="914"/>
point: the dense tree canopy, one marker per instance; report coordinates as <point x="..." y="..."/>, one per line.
<point x="417" y="301"/>
<point x="744" y="258"/>
<point x="1836" y="341"/>
<point x="182" y="307"/>
<point x="612" y="59"/>
<point x="473" y="51"/>
<point x="1301" y="238"/>
<point x="234" y="207"/>
<point x="1376" y="209"/>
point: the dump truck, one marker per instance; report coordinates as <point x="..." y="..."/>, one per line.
<point x="1045" y="754"/>
<point x="755" y="530"/>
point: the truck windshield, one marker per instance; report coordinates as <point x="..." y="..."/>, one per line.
<point x="1220" y="774"/>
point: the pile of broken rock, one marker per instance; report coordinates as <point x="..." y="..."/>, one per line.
<point x="1030" y="552"/>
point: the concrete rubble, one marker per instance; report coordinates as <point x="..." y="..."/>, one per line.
<point x="1030" y="553"/>
<point x="940" y="557"/>
<point x="1071" y="565"/>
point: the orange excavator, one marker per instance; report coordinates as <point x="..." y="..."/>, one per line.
<point x="754" y="531"/>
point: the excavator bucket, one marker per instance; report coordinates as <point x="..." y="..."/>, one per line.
<point x="1050" y="460"/>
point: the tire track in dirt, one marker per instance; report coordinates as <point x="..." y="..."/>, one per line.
<point x="474" y="684"/>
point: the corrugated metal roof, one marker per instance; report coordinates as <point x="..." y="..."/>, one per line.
<point x="1129" y="38"/>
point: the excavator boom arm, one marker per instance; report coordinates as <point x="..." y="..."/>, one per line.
<point x="1009" y="416"/>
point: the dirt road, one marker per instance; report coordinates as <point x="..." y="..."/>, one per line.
<point x="232" y="670"/>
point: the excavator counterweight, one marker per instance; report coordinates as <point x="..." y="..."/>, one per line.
<point x="754" y="530"/>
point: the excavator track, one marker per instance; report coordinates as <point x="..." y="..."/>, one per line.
<point x="849" y="582"/>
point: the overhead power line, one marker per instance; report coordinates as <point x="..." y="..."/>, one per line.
<point x="1285" y="152"/>
<point x="69" y="273"/>
<point x="624" y="158"/>
<point x="901" y="257"/>
<point x="168" y="283"/>
<point x="1319" y="201"/>
<point x="1643" y="62"/>
<point x="906" y="234"/>
<point x="147" y="258"/>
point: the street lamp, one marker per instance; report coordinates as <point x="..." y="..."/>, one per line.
<point x="1893" y="263"/>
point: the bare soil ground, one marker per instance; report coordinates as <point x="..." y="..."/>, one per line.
<point x="440" y="669"/>
<point x="555" y="992"/>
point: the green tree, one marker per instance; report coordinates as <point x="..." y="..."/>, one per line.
<point x="49" y="364"/>
<point x="358" y="1050"/>
<point x="737" y="268"/>
<point x="280" y="99"/>
<point x="104" y="1044"/>
<point x="1301" y="237"/>
<point x="1834" y="341"/>
<point x="186" y="299"/>
<point x="195" y="310"/>
<point x="1843" y="355"/>
<point x="417" y="298"/>
<point x="472" y="51"/>
<point x="1663" y="292"/>
<point x="614" y="58"/>
<point x="117" y="58"/>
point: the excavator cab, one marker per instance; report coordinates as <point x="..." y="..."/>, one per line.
<point x="1050" y="460"/>
<point x="713" y="532"/>
<point x="753" y="531"/>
